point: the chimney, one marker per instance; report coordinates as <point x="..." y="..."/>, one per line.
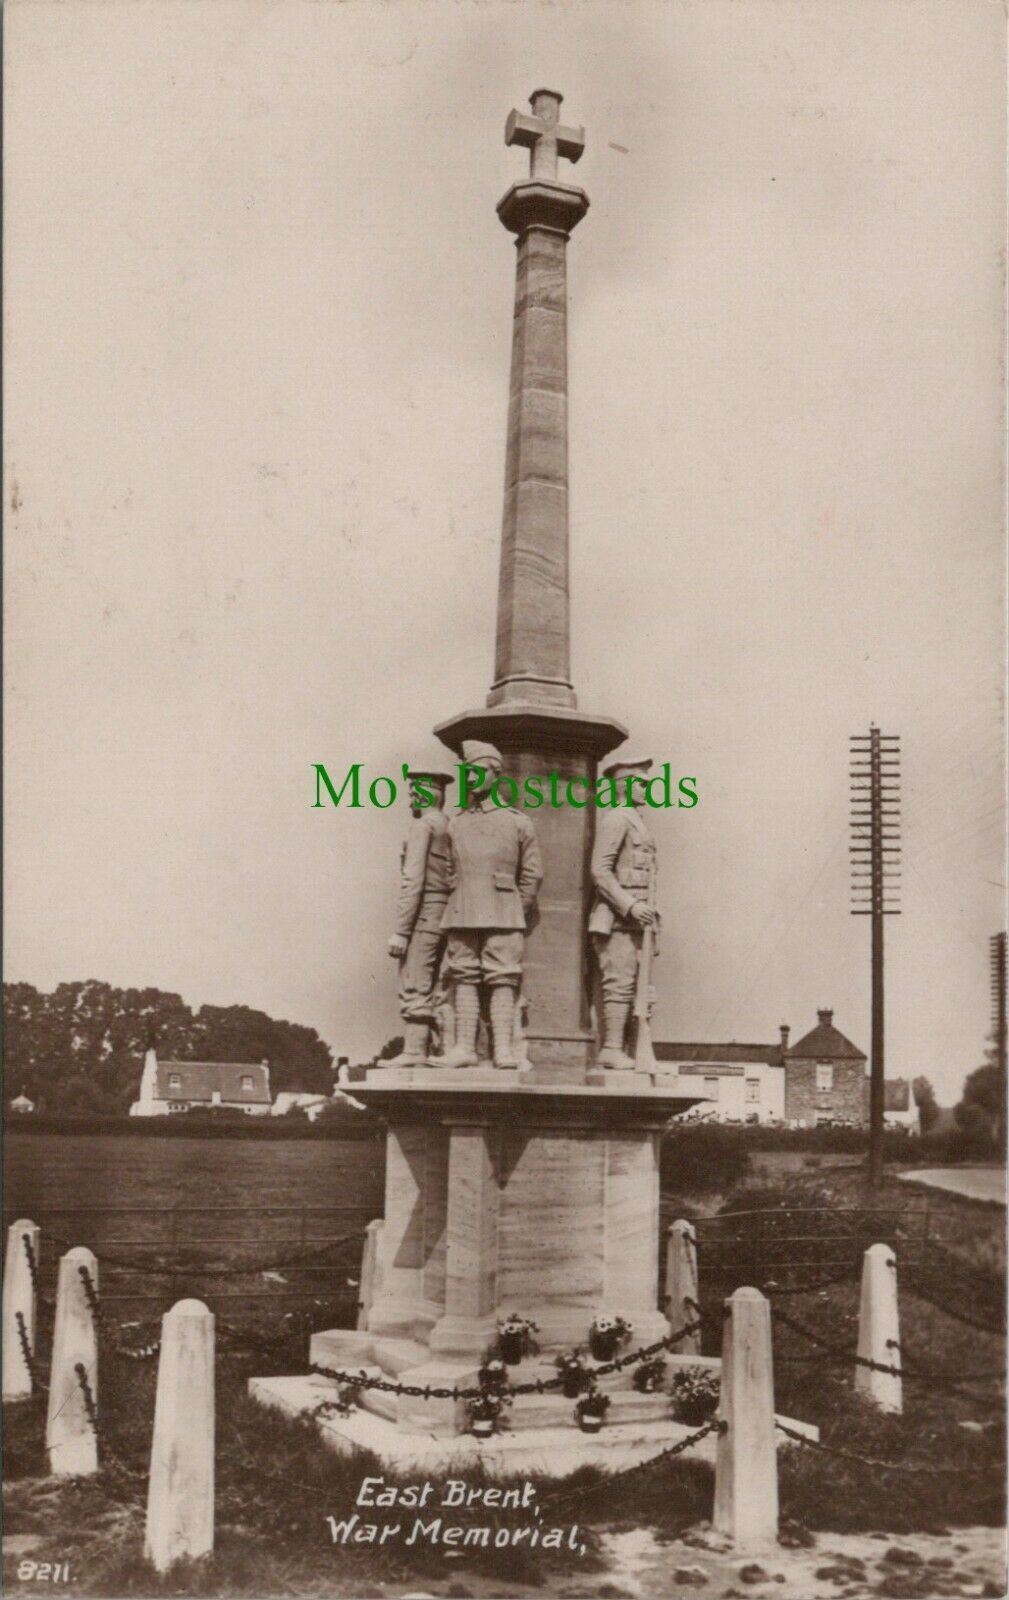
<point x="826" y="1017"/>
<point x="785" y="1030"/>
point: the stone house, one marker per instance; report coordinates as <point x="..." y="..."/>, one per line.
<point x="168" y="1087"/>
<point x="825" y="1079"/>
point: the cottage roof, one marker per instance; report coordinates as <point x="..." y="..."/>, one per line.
<point x="712" y="1053"/>
<point x="825" y="1043"/>
<point x="199" y="1080"/>
<point x="712" y="1069"/>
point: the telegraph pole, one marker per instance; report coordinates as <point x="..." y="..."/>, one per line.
<point x="998" y="995"/>
<point x="998" y="1021"/>
<point x="875" y="883"/>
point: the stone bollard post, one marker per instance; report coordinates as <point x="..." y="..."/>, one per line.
<point x="180" y="1492"/>
<point x="18" y="1298"/>
<point x="879" y="1329"/>
<point x="746" y="1461"/>
<point x="681" y="1284"/>
<point x="371" y="1270"/>
<point x="70" y="1438"/>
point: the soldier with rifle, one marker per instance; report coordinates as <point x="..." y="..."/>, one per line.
<point x="623" y="920"/>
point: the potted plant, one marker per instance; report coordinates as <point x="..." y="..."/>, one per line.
<point x="485" y="1413"/>
<point x="695" y="1395"/>
<point x="650" y="1376"/>
<point x="515" y="1338"/>
<point x="574" y="1373"/>
<point x="591" y="1409"/>
<point x="492" y="1373"/>
<point x="607" y="1334"/>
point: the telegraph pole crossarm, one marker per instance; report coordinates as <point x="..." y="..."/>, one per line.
<point x="875" y="885"/>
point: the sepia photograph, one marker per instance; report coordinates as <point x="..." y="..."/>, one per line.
<point x="504" y="810"/>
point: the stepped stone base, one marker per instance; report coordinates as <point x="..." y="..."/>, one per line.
<point x="555" y="1447"/>
<point x="403" y="1361"/>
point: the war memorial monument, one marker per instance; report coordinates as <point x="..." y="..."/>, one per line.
<point x="527" y="1183"/>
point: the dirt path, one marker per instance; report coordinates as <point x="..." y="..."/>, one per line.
<point x="968" y="1561"/>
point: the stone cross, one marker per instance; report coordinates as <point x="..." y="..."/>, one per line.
<point x="544" y="136"/>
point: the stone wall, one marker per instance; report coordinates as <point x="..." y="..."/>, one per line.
<point x="846" y="1101"/>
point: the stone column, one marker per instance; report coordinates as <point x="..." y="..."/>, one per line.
<point x="415" y="1202"/>
<point x="371" y="1278"/>
<point x="681" y="1284"/>
<point x="180" y="1491"/>
<point x="471" y="1273"/>
<point x="746" y="1463"/>
<point x="879" y="1330"/>
<point x="530" y="713"/>
<point x="70" y="1437"/>
<point x="532" y="658"/>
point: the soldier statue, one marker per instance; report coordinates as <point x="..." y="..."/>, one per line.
<point x="623" y="877"/>
<point x="497" y="873"/>
<point x="418" y="943"/>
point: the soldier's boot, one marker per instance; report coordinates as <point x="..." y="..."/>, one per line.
<point x="414" y="1051"/>
<point x="613" y="1054"/>
<point x="467" y="1019"/>
<point x="502" y="1026"/>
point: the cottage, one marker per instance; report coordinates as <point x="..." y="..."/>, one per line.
<point x="167" y="1087"/>
<point x="739" y="1082"/>
<point x="825" y="1078"/>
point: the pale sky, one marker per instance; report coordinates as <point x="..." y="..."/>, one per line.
<point x="257" y="332"/>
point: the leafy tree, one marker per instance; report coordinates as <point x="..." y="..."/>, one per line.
<point x="80" y="1049"/>
<point x="982" y="1108"/>
<point x="924" y="1099"/>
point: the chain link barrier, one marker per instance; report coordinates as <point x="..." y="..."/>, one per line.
<point x="562" y="1496"/>
<point x="915" y="1468"/>
<point x="26" y="1352"/>
<point x="33" y="1266"/>
<point x="836" y="1350"/>
<point x="535" y="1386"/>
<point x="907" y="1369"/>
<point x="105" y="1331"/>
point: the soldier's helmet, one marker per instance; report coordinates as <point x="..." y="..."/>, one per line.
<point x="624" y="763"/>
<point x="476" y="750"/>
<point x="432" y="771"/>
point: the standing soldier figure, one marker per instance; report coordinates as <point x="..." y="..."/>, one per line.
<point x="498" y="871"/>
<point x="623" y="875"/>
<point x="425" y="883"/>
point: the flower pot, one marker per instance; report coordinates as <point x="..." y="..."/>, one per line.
<point x="572" y="1384"/>
<point x="511" y="1347"/>
<point x="482" y="1427"/>
<point x="590" y="1422"/>
<point x="695" y="1412"/>
<point x="604" y="1345"/>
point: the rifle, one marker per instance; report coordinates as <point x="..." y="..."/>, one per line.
<point x="644" y="1054"/>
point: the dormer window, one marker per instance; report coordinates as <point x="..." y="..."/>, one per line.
<point x="247" y="1080"/>
<point x="175" y="1080"/>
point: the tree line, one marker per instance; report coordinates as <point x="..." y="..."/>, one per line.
<point x="79" y="1051"/>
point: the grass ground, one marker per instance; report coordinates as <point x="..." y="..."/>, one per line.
<point x="276" y="1485"/>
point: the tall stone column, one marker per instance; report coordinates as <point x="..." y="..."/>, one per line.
<point x="532" y="660"/>
<point x="531" y="713"/>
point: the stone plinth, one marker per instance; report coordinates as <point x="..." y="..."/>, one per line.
<point x="505" y="1195"/>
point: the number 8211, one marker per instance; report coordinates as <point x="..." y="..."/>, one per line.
<point x="43" y="1571"/>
